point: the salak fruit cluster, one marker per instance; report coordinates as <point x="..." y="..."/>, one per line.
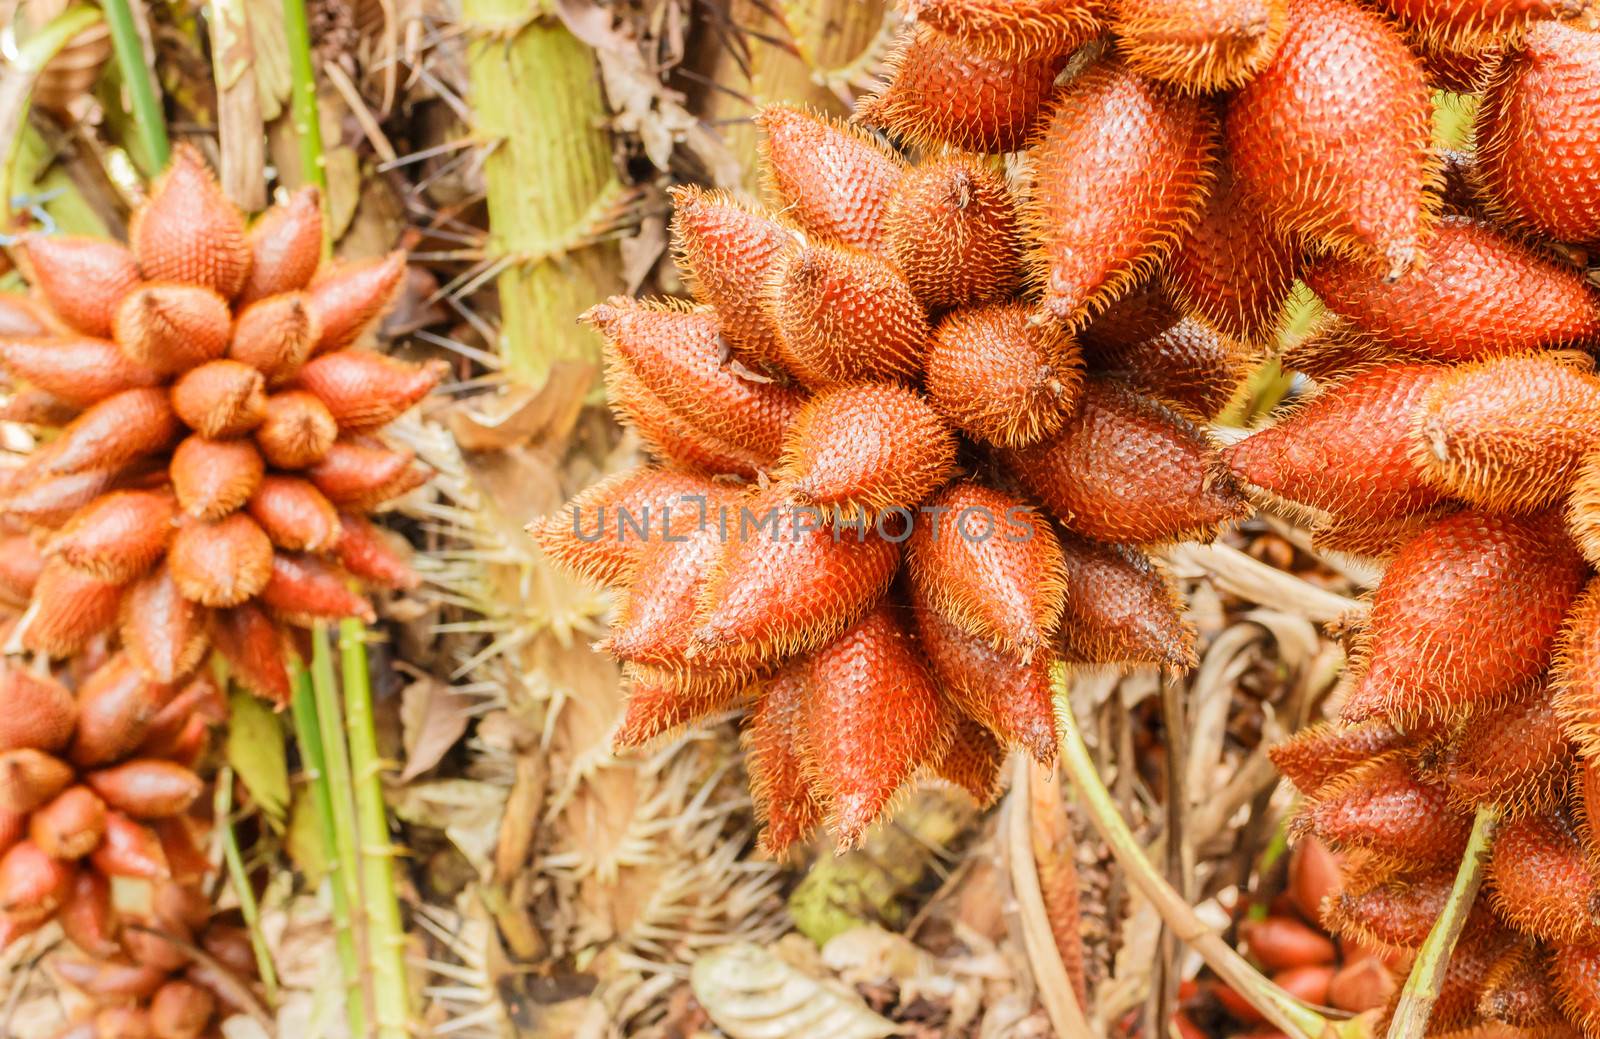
<point x="1455" y="433"/>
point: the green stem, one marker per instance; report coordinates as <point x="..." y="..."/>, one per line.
<point x="1277" y="1006"/>
<point x="385" y="938"/>
<point x="241" y="885"/>
<point x="303" y="96"/>
<point x="1422" y="987"/>
<point x="149" y="122"/>
<point x="16" y="87"/>
<point x="341" y="800"/>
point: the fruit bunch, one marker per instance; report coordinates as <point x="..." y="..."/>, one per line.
<point x="209" y="442"/>
<point x="921" y="425"/>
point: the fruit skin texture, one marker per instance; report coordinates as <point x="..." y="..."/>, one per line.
<point x="1478" y="292"/>
<point x="952" y="230"/>
<point x="726" y="250"/>
<point x="1121" y="608"/>
<point x="942" y="92"/>
<point x="1001" y="377"/>
<point x="1543" y="880"/>
<point x="1320" y="753"/>
<point x="774" y="755"/>
<point x="1199" y="44"/>
<point x="1120" y="170"/>
<point x="1188" y="365"/>
<point x="1332" y="138"/>
<point x="83" y="279"/>
<point x="1462" y="20"/>
<point x="1515" y="756"/>
<point x="1575" y="970"/>
<point x="1508" y="433"/>
<point x="1384" y="808"/>
<point x="1013" y="28"/>
<point x="1388" y="908"/>
<point x="1537" y="132"/>
<point x="1576" y="673"/>
<point x="1468" y="580"/>
<point x="832" y="179"/>
<point x="597" y="535"/>
<point x="1127" y="469"/>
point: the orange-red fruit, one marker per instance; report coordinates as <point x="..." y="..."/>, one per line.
<point x="29" y="778"/>
<point x="1318" y="753"/>
<point x="1282" y="942"/>
<point x="112" y="433"/>
<point x="657" y="615"/>
<point x="86" y="917"/>
<point x="1515" y="755"/>
<point x="1478" y="292"/>
<point x="1383" y="807"/>
<point x="365" y="390"/>
<point x="1466" y="581"/>
<point x="369" y="553"/>
<point x="1458" y="19"/>
<point x="1188" y="364"/>
<point x="21" y="317"/>
<point x="1537" y="131"/>
<point x="275" y="336"/>
<point x="678" y="355"/>
<point x="180" y="1010"/>
<point x="74" y="369"/>
<point x="129" y="849"/>
<point x="670" y="437"/>
<point x="117" y="537"/>
<point x="163" y="632"/>
<point x="603" y="532"/>
<point x="303" y="587"/>
<point x="1121" y="608"/>
<point x="1234" y="269"/>
<point x="1543" y="879"/>
<point x="952" y="230"/>
<point x="1583" y="506"/>
<point x="348" y="298"/>
<point x="39" y="711"/>
<point x="846" y="316"/>
<point x="70" y="825"/>
<point x="942" y="92"/>
<point x="1009" y="696"/>
<point x="727" y="251"/>
<point x="971" y="760"/>
<point x="1507" y="433"/>
<point x="991" y="563"/>
<point x="1199" y="44"/>
<point x="116" y="705"/>
<point x="785" y="801"/>
<point x="294" y="514"/>
<point x="20" y="563"/>
<point x="68" y="609"/>
<point x="833" y="180"/>
<point x="189" y="232"/>
<point x="1576" y="674"/>
<point x="1474" y="957"/>
<point x="1013" y="28"/>
<point x="170" y="328"/>
<point x="146" y="789"/>
<point x="32" y="884"/>
<point x="221" y="399"/>
<point x="1120" y="168"/>
<point x="1002" y="377"/>
<point x="50" y="501"/>
<point x="110" y="981"/>
<point x="1332" y="138"/>
<point x="785" y="583"/>
<point x="213" y="478"/>
<point x="285" y="247"/>
<point x="1128" y="469"/>
<point x="222" y="563"/>
<point x="82" y="279"/>
<point x="866" y="447"/>
<point x="1361" y="985"/>
<point x="297" y="431"/>
<point x="362" y="474"/>
<point x="1348" y="449"/>
<point x="872" y="716"/>
<point x="1520" y="993"/>
<point x="1575" y="969"/>
<point x="1385" y="908"/>
<point x="660" y="701"/>
<point x="253" y="648"/>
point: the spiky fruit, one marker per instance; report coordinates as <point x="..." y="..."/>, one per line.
<point x="224" y="563"/>
<point x="1576" y="673"/>
<point x="112" y="433"/>
<point x="1466" y="19"/>
<point x="275" y="336"/>
<point x="1536" y="132"/>
<point x="1121" y="608"/>
<point x="1576" y="972"/>
<point x="40" y="712"/>
<point x="189" y="232"/>
<point x="1515" y="755"/>
<point x="83" y="280"/>
<point x="346" y="300"/>
<point x="1234" y="269"/>
<point x="1332" y="138"/>
<point x="846" y="316"/>
<point x="670" y="437"/>
<point x="294" y="514"/>
<point x="866" y="448"/>
<point x="726" y="251"/>
<point x="1543" y="880"/>
<point x="1013" y="28"/>
<point x="1519" y="992"/>
<point x="221" y="399"/>
<point x="67" y="610"/>
<point x="1382" y="907"/>
<point x="971" y="761"/>
<point x="1479" y="292"/>
<point x="942" y="92"/>
<point x="1188" y="365"/>
<point x="1471" y="962"/>
<point x="1001" y="376"/>
<point x="602" y="534"/>
<point x="118" y="536"/>
<point x="285" y="247"/>
<point x="1467" y="580"/>
<point x="163" y="632"/>
<point x="951" y="228"/>
<point x="364" y="390"/>
<point x="1348" y="449"/>
<point x="676" y="353"/>
<point x="1199" y="44"/>
<point x="212" y="478"/>
<point x="657" y="616"/>
<point x="1321" y="752"/>
<point x="990" y="563"/>
<point x="873" y="714"/>
<point x="115" y="707"/>
<point x="1508" y="433"/>
<point x="1382" y="807"/>
<point x="831" y="179"/>
<point x="1127" y="469"/>
<point x="659" y="702"/>
<point x="1120" y="170"/>
<point x="774" y="754"/>
<point x="78" y="370"/>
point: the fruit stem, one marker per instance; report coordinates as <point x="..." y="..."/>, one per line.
<point x="315" y="708"/>
<point x="149" y="122"/>
<point x="386" y="941"/>
<point x="240" y="878"/>
<point x="1277" y="1006"/>
<point x="1422" y="986"/>
<point x="16" y="87"/>
<point x="303" y="100"/>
